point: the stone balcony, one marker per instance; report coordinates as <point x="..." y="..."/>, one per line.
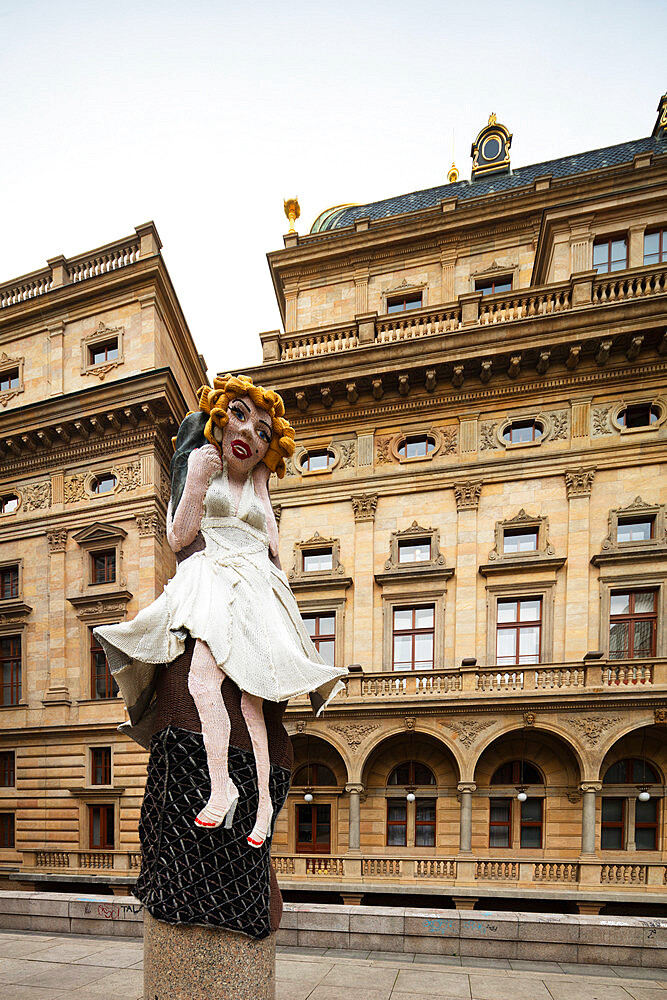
<point x="476" y="683"/>
<point x="473" y="316"/>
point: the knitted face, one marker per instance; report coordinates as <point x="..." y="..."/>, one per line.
<point x="245" y="438"/>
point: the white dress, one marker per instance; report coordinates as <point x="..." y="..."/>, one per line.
<point x="232" y="597"/>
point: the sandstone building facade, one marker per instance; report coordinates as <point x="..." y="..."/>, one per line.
<point x="473" y="522"/>
<point x="97" y="368"/>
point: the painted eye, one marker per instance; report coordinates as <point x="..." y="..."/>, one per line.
<point x="238" y="412"/>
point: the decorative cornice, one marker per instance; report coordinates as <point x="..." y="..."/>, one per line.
<point x="579" y="482"/>
<point x="99" y="607"/>
<point x="467" y="494"/>
<point x="364" y="505"/>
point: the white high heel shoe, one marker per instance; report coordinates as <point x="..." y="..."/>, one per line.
<point x="211" y="818"/>
<point x="258" y="835"/>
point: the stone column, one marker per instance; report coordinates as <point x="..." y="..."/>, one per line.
<point x="578" y="483"/>
<point x="151" y="530"/>
<point x="589" y="790"/>
<point x="467" y="496"/>
<point x="354" y="791"/>
<point x="466" y="788"/>
<point x="630" y="824"/>
<point x="363" y="506"/>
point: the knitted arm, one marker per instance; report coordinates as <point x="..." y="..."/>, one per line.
<point x="260" y="478"/>
<point x="203" y="463"/>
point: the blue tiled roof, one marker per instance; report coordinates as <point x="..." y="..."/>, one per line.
<point x="567" y="166"/>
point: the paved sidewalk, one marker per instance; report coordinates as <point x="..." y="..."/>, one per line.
<point x="37" y="966"/>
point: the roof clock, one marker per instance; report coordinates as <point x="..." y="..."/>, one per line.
<point x="660" y="127"/>
<point x="491" y="150"/>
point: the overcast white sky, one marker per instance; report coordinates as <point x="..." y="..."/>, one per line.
<point x="204" y="116"/>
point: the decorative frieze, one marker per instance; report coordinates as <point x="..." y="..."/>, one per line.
<point x="579" y="482"/>
<point x="354" y="733"/>
<point x="487" y="434"/>
<point x="467" y="731"/>
<point x="601" y="421"/>
<point x="592" y="727"/>
<point x="347" y="454"/>
<point x="467" y="495"/>
<point x="383" y="454"/>
<point x="560" y="425"/>
<point x="449" y="440"/>
<point x="36" y="497"/>
<point x="75" y="487"/>
<point x="128" y="476"/>
<point x="364" y="505"/>
<point x="57" y="539"/>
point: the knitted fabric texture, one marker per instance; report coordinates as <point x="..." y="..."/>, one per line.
<point x="200" y="876"/>
<point x="182" y="529"/>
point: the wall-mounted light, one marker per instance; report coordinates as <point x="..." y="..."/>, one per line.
<point x="411" y="796"/>
<point x="644" y="794"/>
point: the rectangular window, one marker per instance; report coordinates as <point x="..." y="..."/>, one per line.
<point x="7" y="769"/>
<point x="100" y="766"/>
<point x="103" y="568"/>
<point x="519" y="540"/>
<point x="633" y="621"/>
<point x="610" y="254"/>
<point x="7" y="837"/>
<point x="655" y="247"/>
<point x="500" y="822"/>
<point x="613" y="824"/>
<point x="412" y="551"/>
<point x="413" y="638"/>
<point x="9" y="379"/>
<point x="322" y="630"/>
<point x="425" y="823"/>
<point x="401" y="303"/>
<point x="531" y="823"/>
<point x="313" y="829"/>
<point x="107" y="351"/>
<point x="317" y="560"/>
<point x="635" y="529"/>
<point x="10" y="669"/>
<point x="101" y="828"/>
<point x="519" y="631"/>
<point x="102" y="683"/>
<point x="492" y="286"/>
<point x="397" y="822"/>
<point x="9" y="582"/>
<point x="646" y="825"/>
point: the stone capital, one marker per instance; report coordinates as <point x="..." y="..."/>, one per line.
<point x="591" y="786"/>
<point x="364" y="505"/>
<point x="354" y="787"/>
<point x="57" y="539"/>
<point x="579" y="482"/>
<point x="466" y="786"/>
<point x="467" y="494"/>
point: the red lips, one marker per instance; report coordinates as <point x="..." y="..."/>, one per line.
<point x="240" y="449"/>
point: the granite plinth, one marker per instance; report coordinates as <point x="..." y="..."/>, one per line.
<point x="188" y="962"/>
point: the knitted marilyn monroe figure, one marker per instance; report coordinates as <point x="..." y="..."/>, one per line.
<point x="229" y="595"/>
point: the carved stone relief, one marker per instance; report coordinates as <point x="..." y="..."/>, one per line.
<point x="355" y="733"/>
<point x="150" y="523"/>
<point x="592" y="727"/>
<point x="364" y="505"/>
<point x="467" y="730"/>
<point x="383" y="454"/>
<point x="449" y="440"/>
<point x="347" y="454"/>
<point x="36" y="497"/>
<point x="578" y="482"/>
<point x="487" y="434"/>
<point x="129" y="476"/>
<point x="75" y="487"/>
<point x="560" y="425"/>
<point x="467" y="494"/>
<point x="57" y="539"/>
<point x="601" y="422"/>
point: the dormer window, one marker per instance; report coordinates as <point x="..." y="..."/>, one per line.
<point x="317" y="560"/>
<point x="416" y="446"/>
<point x="317" y="461"/>
<point x="9" y="379"/>
<point x="635" y="529"/>
<point x="522" y="431"/>
<point x="402" y="303"/>
<point x="517" y="540"/>
<point x="610" y="254"/>
<point x="107" y="350"/>
<point x="414" y="550"/>
<point x="639" y="415"/>
<point x="491" y="286"/>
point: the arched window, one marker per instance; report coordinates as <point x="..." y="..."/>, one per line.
<point x="410" y="824"/>
<point x="416" y="446"/>
<point x="104" y="483"/>
<point x="311" y="775"/>
<point x="517" y="772"/>
<point x="630" y="771"/>
<point x="411" y="772"/>
<point x="317" y="461"/>
<point x="521" y="431"/>
<point x="511" y="821"/>
<point x="618" y="833"/>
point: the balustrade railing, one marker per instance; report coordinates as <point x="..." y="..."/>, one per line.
<point x="326" y="342"/>
<point x="58" y="860"/>
<point x="636" y="284"/>
<point x="88" y="266"/>
<point x="418" y="323"/>
<point x="424" y="685"/>
<point x="524" y="305"/>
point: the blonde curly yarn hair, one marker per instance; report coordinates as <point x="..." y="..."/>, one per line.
<point x="215" y="401"/>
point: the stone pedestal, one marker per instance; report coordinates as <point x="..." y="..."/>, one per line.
<point x="187" y="962"/>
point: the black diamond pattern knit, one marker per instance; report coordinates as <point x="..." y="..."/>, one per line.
<point x="190" y="875"/>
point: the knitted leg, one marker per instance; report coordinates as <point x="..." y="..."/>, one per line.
<point x="252" y="708"/>
<point x="204" y="681"/>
